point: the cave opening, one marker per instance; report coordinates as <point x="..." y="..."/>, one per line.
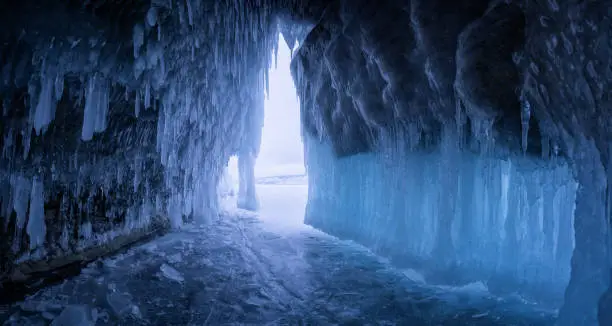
<point x="282" y="149"/>
<point x="279" y="165"/>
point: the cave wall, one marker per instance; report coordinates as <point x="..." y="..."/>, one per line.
<point x="568" y="45"/>
<point x="120" y="116"/>
<point x="440" y="84"/>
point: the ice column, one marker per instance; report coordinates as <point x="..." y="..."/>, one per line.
<point x="247" y="197"/>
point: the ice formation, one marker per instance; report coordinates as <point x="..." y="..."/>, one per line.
<point x="465" y="158"/>
<point x="489" y="218"/>
<point x="84" y="182"/>
<point x="465" y="140"/>
<point x="96" y="107"/>
<point x="36" y="221"/>
<point x="247" y="198"/>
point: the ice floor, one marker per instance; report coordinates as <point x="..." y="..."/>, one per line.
<point x="270" y="270"/>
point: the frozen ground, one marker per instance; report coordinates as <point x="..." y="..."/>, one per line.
<point x="270" y="270"/>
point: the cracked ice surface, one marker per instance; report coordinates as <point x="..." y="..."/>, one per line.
<point x="269" y="270"/>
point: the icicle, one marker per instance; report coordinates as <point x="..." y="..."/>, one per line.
<point x="159" y="205"/>
<point x="26" y="134"/>
<point x="181" y="13"/>
<point x="137" y="105"/>
<point x="152" y="16"/>
<point x="267" y="80"/>
<point x="21" y="190"/>
<point x="45" y="106"/>
<point x="189" y="12"/>
<point x="96" y="107"/>
<point x="162" y="66"/>
<point x="147" y="103"/>
<point x="137" y="173"/>
<point x="59" y="87"/>
<point x="138" y="39"/>
<point x="276" y="46"/>
<point x="9" y="141"/>
<point x="36" y="228"/>
<point x="160" y="130"/>
<point x="525" y="117"/>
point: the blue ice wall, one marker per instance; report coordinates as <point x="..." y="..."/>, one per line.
<point x="456" y="216"/>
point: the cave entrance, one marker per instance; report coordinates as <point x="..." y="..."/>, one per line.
<point x="282" y="150"/>
<point x="280" y="174"/>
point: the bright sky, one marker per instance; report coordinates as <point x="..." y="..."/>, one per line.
<point x="282" y="151"/>
<point x="281" y="144"/>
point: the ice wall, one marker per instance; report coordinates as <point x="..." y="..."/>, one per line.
<point x="507" y="94"/>
<point x="123" y="118"/>
<point x="457" y="215"/>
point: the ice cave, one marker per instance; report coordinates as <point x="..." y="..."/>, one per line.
<point x="457" y="162"/>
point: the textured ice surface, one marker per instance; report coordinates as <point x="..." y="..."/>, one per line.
<point x="245" y="270"/>
<point x="497" y="220"/>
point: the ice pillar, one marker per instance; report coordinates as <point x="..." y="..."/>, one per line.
<point x="247" y="196"/>
<point x="249" y="150"/>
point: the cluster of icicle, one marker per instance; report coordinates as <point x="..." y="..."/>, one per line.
<point x="488" y="215"/>
<point x="198" y="65"/>
<point x="204" y="107"/>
